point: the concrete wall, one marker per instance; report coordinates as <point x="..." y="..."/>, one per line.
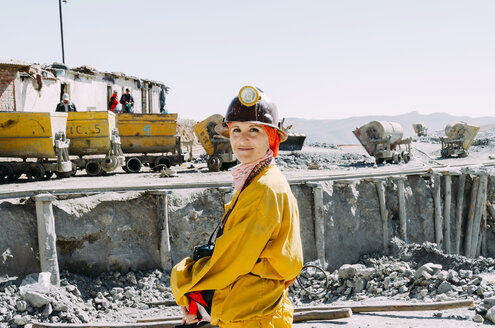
<point x="122" y="231"/>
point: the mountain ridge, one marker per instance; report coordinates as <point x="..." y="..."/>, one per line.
<point x="339" y="131"/>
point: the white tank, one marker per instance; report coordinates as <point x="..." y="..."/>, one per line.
<point x="378" y="130"/>
<point x="383" y="129"/>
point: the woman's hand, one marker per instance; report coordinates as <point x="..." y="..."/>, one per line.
<point x="188" y="317"/>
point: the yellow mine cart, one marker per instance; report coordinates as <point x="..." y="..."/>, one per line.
<point x="205" y="131"/>
<point x="94" y="133"/>
<point x="145" y="134"/>
<point x="460" y="136"/>
<point x="420" y="129"/>
<point x="217" y="147"/>
<point x="39" y="136"/>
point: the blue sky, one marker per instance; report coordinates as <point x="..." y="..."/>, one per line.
<point x="317" y="59"/>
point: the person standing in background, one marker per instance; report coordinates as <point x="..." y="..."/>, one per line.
<point x="127" y="102"/>
<point x="66" y="105"/>
<point x="113" y="102"/>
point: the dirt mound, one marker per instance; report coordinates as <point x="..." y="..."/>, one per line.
<point x="417" y="255"/>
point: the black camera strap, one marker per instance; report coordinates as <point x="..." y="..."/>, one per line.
<point x="221" y="224"/>
<point x="256" y="170"/>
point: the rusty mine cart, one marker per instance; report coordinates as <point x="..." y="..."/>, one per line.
<point x="459" y="138"/>
<point x="420" y="129"/>
<point x="33" y="144"/>
<point x="220" y="155"/>
<point x="383" y="140"/>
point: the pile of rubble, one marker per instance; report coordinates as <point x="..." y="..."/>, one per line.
<point x="405" y="277"/>
<point x="110" y="297"/>
<point x="323" y="160"/>
<point x="322" y="145"/>
<point x="415" y="273"/>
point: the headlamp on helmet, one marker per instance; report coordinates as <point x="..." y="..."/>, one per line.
<point x="248" y="96"/>
<point x="251" y="105"/>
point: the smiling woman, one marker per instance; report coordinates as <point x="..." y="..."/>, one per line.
<point x="249" y="141"/>
<point x="257" y="252"/>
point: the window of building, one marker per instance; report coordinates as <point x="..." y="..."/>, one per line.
<point x="64" y="88"/>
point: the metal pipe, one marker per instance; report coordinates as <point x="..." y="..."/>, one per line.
<point x="61" y="29"/>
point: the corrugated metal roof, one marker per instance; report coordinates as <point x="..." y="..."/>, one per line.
<point x="81" y="69"/>
<point x="14" y="63"/>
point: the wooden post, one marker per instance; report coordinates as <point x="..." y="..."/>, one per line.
<point x="438" y="212"/>
<point x="402" y="208"/>
<point x="478" y="213"/>
<point x="319" y="223"/>
<point x="383" y="211"/>
<point x="446" y="211"/>
<point x="469" y="224"/>
<point x="162" y="214"/>
<point x="459" y="207"/>
<point x="226" y="191"/>
<point x="47" y="238"/>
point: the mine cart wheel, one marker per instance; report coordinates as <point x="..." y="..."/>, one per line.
<point x="93" y="168"/>
<point x="406" y="156"/>
<point x="379" y="160"/>
<point x="133" y="165"/>
<point x="162" y="160"/>
<point x="444" y="153"/>
<point x="35" y="171"/>
<point x="463" y="154"/>
<point x="396" y="158"/>
<point x="6" y="171"/>
<point x="313" y="279"/>
<point x="214" y="163"/>
<point x="227" y="165"/>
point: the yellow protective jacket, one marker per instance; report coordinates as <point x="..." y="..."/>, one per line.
<point x="259" y="250"/>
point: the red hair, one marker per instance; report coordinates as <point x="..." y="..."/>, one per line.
<point x="273" y="138"/>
